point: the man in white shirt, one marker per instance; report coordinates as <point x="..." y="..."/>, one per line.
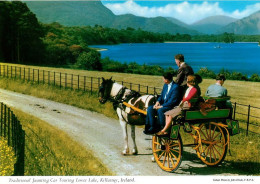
<point x="169" y="98"/>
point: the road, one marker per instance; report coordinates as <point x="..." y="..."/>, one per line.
<point x="103" y="136"/>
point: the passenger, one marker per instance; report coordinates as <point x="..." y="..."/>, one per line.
<point x="217" y="90"/>
<point x="191" y="92"/>
<point x="169" y="98"/>
<point x="183" y="72"/>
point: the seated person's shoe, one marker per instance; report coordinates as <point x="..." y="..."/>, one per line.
<point x="162" y="134"/>
<point x="150" y="131"/>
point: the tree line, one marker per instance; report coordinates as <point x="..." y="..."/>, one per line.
<point x="24" y="40"/>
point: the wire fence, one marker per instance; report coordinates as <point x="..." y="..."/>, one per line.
<point x="248" y="113"/>
<point x="249" y="117"/>
<point x="11" y="130"/>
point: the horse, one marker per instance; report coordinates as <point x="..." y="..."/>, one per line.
<point x="117" y="93"/>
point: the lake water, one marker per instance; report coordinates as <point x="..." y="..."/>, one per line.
<point x="239" y="57"/>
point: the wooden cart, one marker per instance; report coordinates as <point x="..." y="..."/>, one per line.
<point x="211" y="134"/>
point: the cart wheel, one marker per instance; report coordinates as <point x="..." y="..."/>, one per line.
<point x="167" y="152"/>
<point x="214" y="144"/>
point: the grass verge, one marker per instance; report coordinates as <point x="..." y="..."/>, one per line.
<point x="76" y="98"/>
<point x="51" y="152"/>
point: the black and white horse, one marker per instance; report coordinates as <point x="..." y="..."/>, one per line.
<point x="117" y="93"/>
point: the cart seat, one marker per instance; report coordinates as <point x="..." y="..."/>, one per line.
<point x="221" y="102"/>
<point x="215" y="114"/>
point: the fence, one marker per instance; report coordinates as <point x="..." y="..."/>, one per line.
<point x="247" y="111"/>
<point x="11" y="130"/>
<point x="86" y="83"/>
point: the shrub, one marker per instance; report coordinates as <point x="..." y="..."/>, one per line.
<point x="89" y="61"/>
<point x="206" y="73"/>
<point x="255" y="78"/>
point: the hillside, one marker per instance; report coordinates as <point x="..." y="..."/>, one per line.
<point x="83" y="13"/>
<point x="157" y="24"/>
<point x="178" y="22"/>
<point x="72" y="13"/>
<point x="249" y="25"/>
<point x="212" y="24"/>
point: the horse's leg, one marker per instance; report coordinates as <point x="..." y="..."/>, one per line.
<point x="135" y="151"/>
<point x="124" y="128"/>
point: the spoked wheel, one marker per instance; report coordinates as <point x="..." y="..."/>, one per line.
<point x="214" y="146"/>
<point x="167" y="152"/>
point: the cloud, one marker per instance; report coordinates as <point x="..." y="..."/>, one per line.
<point x="247" y="11"/>
<point x="184" y="11"/>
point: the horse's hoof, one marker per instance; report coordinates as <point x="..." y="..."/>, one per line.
<point x="135" y="152"/>
<point x="124" y="153"/>
<point x="153" y="159"/>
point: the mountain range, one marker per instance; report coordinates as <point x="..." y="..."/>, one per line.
<point x="82" y="13"/>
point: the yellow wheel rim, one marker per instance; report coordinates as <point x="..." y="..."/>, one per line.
<point x="214" y="147"/>
<point x="167" y="153"/>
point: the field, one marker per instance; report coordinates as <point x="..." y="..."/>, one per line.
<point x="244" y="149"/>
<point x="241" y="92"/>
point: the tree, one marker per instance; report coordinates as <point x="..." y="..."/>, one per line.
<point x="22" y="34"/>
<point x="89" y="60"/>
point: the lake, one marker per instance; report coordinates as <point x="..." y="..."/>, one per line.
<point x="239" y="57"/>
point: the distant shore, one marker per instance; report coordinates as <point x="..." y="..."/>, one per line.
<point x="186" y="42"/>
<point x="99" y="49"/>
<point x="102" y="50"/>
<point x="208" y="42"/>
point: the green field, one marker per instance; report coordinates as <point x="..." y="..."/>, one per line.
<point x="245" y="150"/>
<point x="242" y="92"/>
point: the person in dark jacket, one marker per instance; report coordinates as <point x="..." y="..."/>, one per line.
<point x="168" y="99"/>
<point x="183" y="71"/>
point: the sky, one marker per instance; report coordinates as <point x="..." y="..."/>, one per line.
<point x="187" y="11"/>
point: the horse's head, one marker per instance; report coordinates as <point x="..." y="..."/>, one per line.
<point x="105" y="90"/>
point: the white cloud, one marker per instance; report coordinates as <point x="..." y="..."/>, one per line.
<point x="247" y="11"/>
<point x="184" y="11"/>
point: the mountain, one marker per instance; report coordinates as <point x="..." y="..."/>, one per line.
<point x="249" y="25"/>
<point x="82" y="13"/>
<point x="72" y="13"/>
<point x="212" y="24"/>
<point x="157" y="24"/>
<point x="178" y="22"/>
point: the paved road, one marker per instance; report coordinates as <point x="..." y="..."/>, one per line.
<point x="103" y="135"/>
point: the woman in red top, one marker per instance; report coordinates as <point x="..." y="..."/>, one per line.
<point x="193" y="91"/>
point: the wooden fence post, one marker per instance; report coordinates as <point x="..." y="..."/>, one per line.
<point x="48" y="77"/>
<point x="84" y="83"/>
<point x="60" y="79"/>
<point x="78" y="82"/>
<point x="38" y="76"/>
<point x="9" y="127"/>
<point x="43" y="75"/>
<point x="248" y="116"/>
<point x="54" y="78"/>
<point x="234" y="111"/>
<point x="91" y="87"/>
<point x="65" y="80"/>
<point x="71" y="81"/>
<point x="15" y="72"/>
<point x="2" y="110"/>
